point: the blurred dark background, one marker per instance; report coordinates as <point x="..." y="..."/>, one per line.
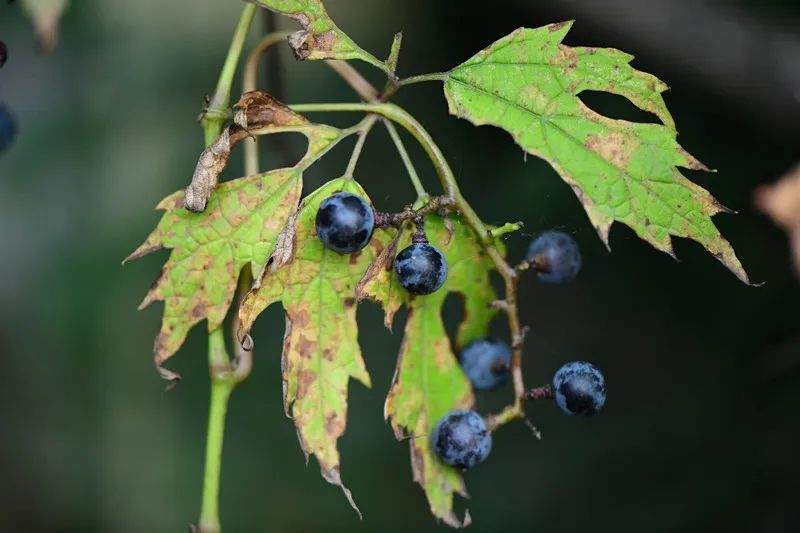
<point x="701" y="430"/>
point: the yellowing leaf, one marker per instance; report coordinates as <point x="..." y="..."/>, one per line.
<point x="239" y="228"/>
<point x="527" y="83"/>
<point x="428" y="381"/>
<point x="320" y="38"/>
<point x="320" y="351"/>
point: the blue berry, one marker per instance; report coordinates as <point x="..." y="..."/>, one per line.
<point x="555" y="257"/>
<point x="486" y="363"/>
<point x="461" y="439"/>
<point x="420" y="268"/>
<point x="345" y="223"/>
<point x="7" y="128"/>
<point x="580" y="389"/>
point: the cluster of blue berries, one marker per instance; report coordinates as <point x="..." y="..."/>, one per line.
<point x="462" y="439"/>
<point x="345" y="223"/>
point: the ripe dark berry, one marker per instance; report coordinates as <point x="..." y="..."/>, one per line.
<point x="420" y="268"/>
<point x="555" y="257"/>
<point x="7" y="128"/>
<point x="580" y="389"/>
<point x="486" y="362"/>
<point x="461" y="439"/>
<point x="345" y="222"/>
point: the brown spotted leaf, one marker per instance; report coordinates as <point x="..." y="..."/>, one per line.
<point x="256" y="113"/>
<point x="428" y="381"/>
<point x="239" y="228"/>
<point x="528" y="84"/>
<point x="320" y="38"/>
<point x="320" y="353"/>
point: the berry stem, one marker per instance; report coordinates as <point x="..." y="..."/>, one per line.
<point x="419" y="236"/>
<point x="544" y="392"/>
<point x="429" y="206"/>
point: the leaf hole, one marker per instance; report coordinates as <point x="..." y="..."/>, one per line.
<point x="452" y="315"/>
<point x="616" y="107"/>
<point x="280" y="150"/>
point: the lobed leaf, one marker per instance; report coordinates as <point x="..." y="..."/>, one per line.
<point x="528" y="84"/>
<point x="320" y="352"/>
<point x="428" y="381"/>
<point x="239" y="225"/>
<point x="320" y="38"/>
<point x="239" y="228"/>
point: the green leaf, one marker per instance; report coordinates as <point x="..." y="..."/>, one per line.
<point x="528" y="84"/>
<point x="239" y="228"/>
<point x="320" y="38"/>
<point x="428" y="381"/>
<point x="320" y="351"/>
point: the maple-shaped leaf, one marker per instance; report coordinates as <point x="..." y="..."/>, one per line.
<point x="239" y="228"/>
<point x="320" y="352"/>
<point x="228" y="226"/>
<point x="320" y="38"/>
<point x="428" y="381"/>
<point x="528" y="84"/>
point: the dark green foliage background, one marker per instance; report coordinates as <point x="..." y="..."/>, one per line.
<point x="700" y="431"/>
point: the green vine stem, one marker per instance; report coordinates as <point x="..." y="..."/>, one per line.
<point x="221" y="388"/>
<point x="436" y="76"/>
<point x="224" y="377"/>
<point x="454" y="200"/>
<point x="218" y="109"/>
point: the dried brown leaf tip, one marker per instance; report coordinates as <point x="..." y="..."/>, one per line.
<point x="239" y="228"/>
<point x="781" y="201"/>
<point x="256" y="109"/>
<point x="255" y="113"/>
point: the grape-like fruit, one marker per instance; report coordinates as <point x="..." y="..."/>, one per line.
<point x="461" y="439"/>
<point x="486" y="363"/>
<point x="555" y="257"/>
<point x="345" y="222"/>
<point x="8" y="128"/>
<point x="420" y="268"/>
<point x="580" y="389"/>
